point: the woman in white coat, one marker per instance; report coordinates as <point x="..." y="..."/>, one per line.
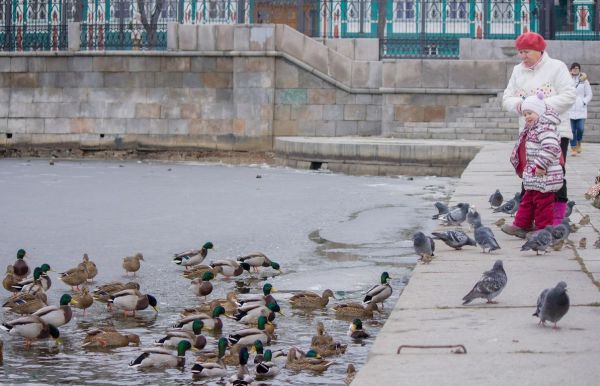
<point x="578" y="113"/>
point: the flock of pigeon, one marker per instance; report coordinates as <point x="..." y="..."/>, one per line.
<point x="553" y="303"/>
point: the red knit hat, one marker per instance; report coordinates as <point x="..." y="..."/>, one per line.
<point x="530" y="41"/>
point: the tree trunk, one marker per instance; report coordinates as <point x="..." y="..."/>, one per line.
<point x="150" y="26"/>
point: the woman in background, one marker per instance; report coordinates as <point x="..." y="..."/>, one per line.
<point x="578" y="113"/>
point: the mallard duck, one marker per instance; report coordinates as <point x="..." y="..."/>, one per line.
<point x="257" y="259"/>
<point x="26" y="303"/>
<point x="133" y="300"/>
<point x="203" y="368"/>
<point x="311" y="361"/>
<point x="350" y="374"/>
<point x="44" y="280"/>
<point x="212" y="322"/>
<point x="57" y="316"/>
<point x="92" y="270"/>
<point x="230" y="358"/>
<point x="230" y="268"/>
<point x="311" y="299"/>
<point x="356" y="330"/>
<point x="266" y="368"/>
<point x="242" y="376"/>
<point x="10" y="280"/>
<point x="108" y="337"/>
<point x="31" y="327"/>
<point x="104" y="292"/>
<point x="265" y="298"/>
<point x="74" y="277"/>
<point x="229" y="304"/>
<point x="132" y="263"/>
<point x="173" y="337"/>
<point x="355" y="309"/>
<point x="161" y="358"/>
<point x="193" y="256"/>
<point x="83" y="300"/>
<point x="248" y="336"/>
<point x="379" y="292"/>
<point x="197" y="270"/>
<point x="21" y="269"/>
<point x="324" y="344"/>
<point x="250" y="312"/>
<point x="202" y="287"/>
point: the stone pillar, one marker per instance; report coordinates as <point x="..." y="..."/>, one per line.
<point x="173" y="36"/>
<point x="74" y="36"/>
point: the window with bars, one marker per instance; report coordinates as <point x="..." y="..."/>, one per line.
<point x="169" y="10"/>
<point x="37" y="10"/>
<point x="216" y="9"/>
<point x="457" y="10"/>
<point x="502" y="10"/>
<point x="405" y="9"/>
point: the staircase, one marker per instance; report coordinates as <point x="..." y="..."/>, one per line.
<point x="489" y="122"/>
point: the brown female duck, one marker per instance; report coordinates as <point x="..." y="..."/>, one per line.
<point x="74" y="277"/>
<point x="92" y="270"/>
<point x="84" y="300"/>
<point x="324" y="344"/>
<point x="311" y="299"/>
<point x="10" y="279"/>
<point x="132" y="263"/>
<point x="355" y="309"/>
<point x="107" y="337"/>
<point x="26" y="303"/>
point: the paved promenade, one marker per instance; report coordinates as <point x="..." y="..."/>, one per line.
<point x="504" y="344"/>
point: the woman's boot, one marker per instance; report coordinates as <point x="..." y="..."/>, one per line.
<point x="578" y="148"/>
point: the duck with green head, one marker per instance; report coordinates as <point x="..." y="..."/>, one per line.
<point x="229" y="268"/>
<point x="266" y="368"/>
<point x="211" y="322"/>
<point x="242" y="376"/>
<point x="257" y="259"/>
<point x="379" y="292"/>
<point x="20" y="266"/>
<point x="203" y="287"/>
<point x="248" y="336"/>
<point x="195" y="337"/>
<point x="212" y="369"/>
<point x="42" y="279"/>
<point x="57" y="316"/>
<point x="310" y="361"/>
<point x="133" y="300"/>
<point x="197" y="271"/>
<point x="250" y="312"/>
<point x="162" y="358"/>
<point x="193" y="256"/>
<point x="356" y="330"/>
<point x="31" y="328"/>
<point x="103" y="292"/>
<point x="265" y="298"/>
<point x="324" y="344"/>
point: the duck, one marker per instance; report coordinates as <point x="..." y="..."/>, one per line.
<point x="355" y="309"/>
<point x="132" y="301"/>
<point x="162" y="358"/>
<point x="203" y="368"/>
<point x="103" y="292"/>
<point x="350" y="374"/>
<point x="44" y="279"/>
<point x="229" y="268"/>
<point x="311" y="361"/>
<point x="132" y="263"/>
<point x="21" y="269"/>
<point x="197" y="270"/>
<point x="108" y="337"/>
<point x="173" y="337"/>
<point x="57" y="316"/>
<point x="266" y="368"/>
<point x="193" y="256"/>
<point x="356" y="330"/>
<point x="265" y="298"/>
<point x="31" y="328"/>
<point x="212" y="322"/>
<point x="26" y="303"/>
<point x="324" y="344"/>
<point x="83" y="300"/>
<point x="242" y="376"/>
<point x="203" y="287"/>
<point x="229" y="304"/>
<point x="10" y="280"/>
<point x="257" y="259"/>
<point x="250" y="312"/>
<point x="311" y="299"/>
<point x="92" y="270"/>
<point x="74" y="277"/>
<point x="247" y="336"/>
<point x="380" y="292"/>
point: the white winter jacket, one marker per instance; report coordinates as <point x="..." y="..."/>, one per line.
<point x="583" y="96"/>
<point x="550" y="76"/>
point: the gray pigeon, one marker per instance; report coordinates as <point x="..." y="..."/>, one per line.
<point x="539" y="241"/>
<point x="489" y="286"/>
<point x="485" y="237"/>
<point x="552" y="304"/>
<point x="442" y="209"/>
<point x="510" y="206"/>
<point x="569" y="210"/>
<point x="457" y="215"/>
<point x="560" y="232"/>
<point x="496" y="199"/>
<point x="473" y="216"/>
<point x="424" y="246"/>
<point x="454" y="239"/>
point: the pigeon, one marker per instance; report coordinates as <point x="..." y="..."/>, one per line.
<point x="552" y="304"/>
<point x="510" y="206"/>
<point x="456" y="216"/>
<point x="539" y="241"/>
<point x="485" y="237"/>
<point x="583" y="243"/>
<point x="496" y="199"/>
<point x="501" y="221"/>
<point x="473" y="216"/>
<point x="597" y="243"/>
<point x="454" y="239"/>
<point x="489" y="286"/>
<point x="424" y="246"/>
<point x="442" y="209"/>
<point x="585" y="220"/>
<point x="560" y="232"/>
<point x="570" y="206"/>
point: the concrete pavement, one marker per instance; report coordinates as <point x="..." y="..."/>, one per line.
<point x="504" y="343"/>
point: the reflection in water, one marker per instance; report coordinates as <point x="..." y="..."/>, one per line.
<point x="326" y="231"/>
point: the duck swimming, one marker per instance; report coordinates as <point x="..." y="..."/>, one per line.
<point x="108" y="337"/>
<point x="161" y="358"/>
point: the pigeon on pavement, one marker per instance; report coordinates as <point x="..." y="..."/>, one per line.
<point x="485" y="237"/>
<point x="442" y="209"/>
<point x="510" y="206"/>
<point x="424" y="246"/>
<point x="454" y="239"/>
<point x="473" y="216"/>
<point x="496" y="199"/>
<point x="457" y="215"/>
<point x="539" y="241"/>
<point x="489" y="286"/>
<point x="570" y="206"/>
<point x="552" y="304"/>
<point x="560" y="232"/>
